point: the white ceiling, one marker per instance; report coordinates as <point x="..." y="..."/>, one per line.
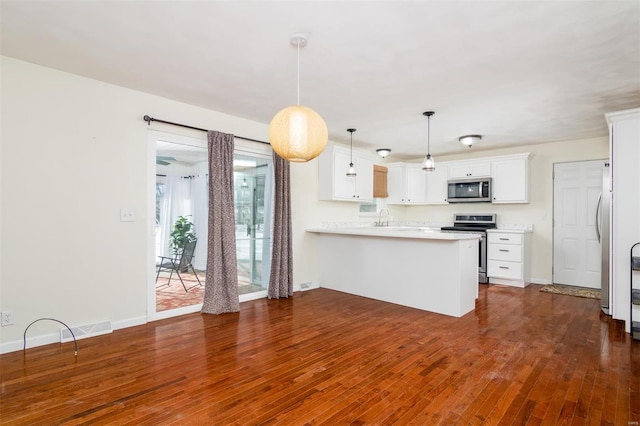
<point x="516" y="72"/>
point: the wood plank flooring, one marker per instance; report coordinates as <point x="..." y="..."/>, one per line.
<point x="323" y="357"/>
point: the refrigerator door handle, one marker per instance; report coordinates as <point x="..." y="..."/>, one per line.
<point x="598" y="217"/>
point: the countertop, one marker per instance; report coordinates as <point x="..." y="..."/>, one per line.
<point x="398" y="232"/>
<point x="510" y="231"/>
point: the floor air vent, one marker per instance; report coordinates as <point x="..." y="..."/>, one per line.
<point x="308" y="286"/>
<point x="84" y="331"/>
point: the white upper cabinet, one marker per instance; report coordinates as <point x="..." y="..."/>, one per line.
<point x="406" y="184"/>
<point x="510" y="183"/>
<point x="333" y="182"/>
<point x="469" y="169"/>
<point x="437" y="185"/>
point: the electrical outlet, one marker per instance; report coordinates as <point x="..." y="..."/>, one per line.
<point x="7" y="318"/>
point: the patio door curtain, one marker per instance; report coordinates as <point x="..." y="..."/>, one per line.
<point x="221" y="287"/>
<point x="281" y="276"/>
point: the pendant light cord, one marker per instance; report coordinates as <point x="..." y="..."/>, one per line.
<point x="351" y="146"/>
<point x="298" y="44"/>
<point x="428" y="134"/>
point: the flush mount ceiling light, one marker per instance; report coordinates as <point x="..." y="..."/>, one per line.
<point x="429" y="163"/>
<point x="298" y="133"/>
<point x="351" y="172"/>
<point x="383" y="152"/>
<point x="469" y="140"/>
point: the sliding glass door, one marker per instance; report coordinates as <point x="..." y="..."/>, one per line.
<point x="253" y="205"/>
<point x="180" y="196"/>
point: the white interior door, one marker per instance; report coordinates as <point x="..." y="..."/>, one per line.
<point x="576" y="250"/>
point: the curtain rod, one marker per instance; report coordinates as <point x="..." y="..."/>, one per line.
<point x="150" y="119"/>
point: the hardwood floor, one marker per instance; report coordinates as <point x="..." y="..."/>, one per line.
<point x="324" y="357"/>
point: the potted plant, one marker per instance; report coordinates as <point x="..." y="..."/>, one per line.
<point x="181" y="234"/>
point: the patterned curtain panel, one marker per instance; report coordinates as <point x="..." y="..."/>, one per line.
<point x="281" y="277"/>
<point x="221" y="287"/>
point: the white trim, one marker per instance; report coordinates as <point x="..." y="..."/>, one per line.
<point x="47" y="339"/>
<point x="130" y="322"/>
<point x="170" y="313"/>
<point x="240" y="147"/>
<point x="262" y="294"/>
<point x="32" y="342"/>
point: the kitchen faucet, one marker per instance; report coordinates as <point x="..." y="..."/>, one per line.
<point x="380" y="222"/>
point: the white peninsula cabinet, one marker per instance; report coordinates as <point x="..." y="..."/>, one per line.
<point x="510" y="179"/>
<point x="333" y="182"/>
<point x="509" y="257"/>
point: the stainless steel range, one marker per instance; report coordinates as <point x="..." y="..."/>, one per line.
<point x="477" y="223"/>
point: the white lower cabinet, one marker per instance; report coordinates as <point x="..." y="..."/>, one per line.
<point x="508" y="257"/>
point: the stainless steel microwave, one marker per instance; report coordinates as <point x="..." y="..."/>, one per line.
<point x="469" y="190"/>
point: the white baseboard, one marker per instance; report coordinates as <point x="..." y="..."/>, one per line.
<point x="47" y="339"/>
<point x="32" y="342"/>
<point x="540" y="281"/>
<point x="130" y="322"/>
<point x="511" y="283"/>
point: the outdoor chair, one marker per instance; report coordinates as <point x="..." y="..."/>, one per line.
<point x="179" y="263"/>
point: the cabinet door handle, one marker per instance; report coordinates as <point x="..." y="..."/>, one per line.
<point x="504" y="239"/>
<point x="503" y="267"/>
<point x="504" y="250"/>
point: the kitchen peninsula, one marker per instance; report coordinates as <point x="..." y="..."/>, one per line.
<point x="416" y="267"/>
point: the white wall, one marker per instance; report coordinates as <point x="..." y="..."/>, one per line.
<point x="74" y="152"/>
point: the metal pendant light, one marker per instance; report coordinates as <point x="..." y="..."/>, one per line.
<point x="429" y="163"/>
<point x="298" y="133"/>
<point x="351" y="172"/>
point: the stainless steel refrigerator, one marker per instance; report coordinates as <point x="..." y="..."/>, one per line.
<point x="603" y="215"/>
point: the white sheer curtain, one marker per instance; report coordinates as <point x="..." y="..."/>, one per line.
<point x="175" y="202"/>
<point x="200" y="218"/>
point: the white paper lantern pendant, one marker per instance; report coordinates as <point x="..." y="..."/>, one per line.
<point x="298" y="133"/>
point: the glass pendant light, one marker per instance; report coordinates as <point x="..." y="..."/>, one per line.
<point x="351" y="172"/>
<point x="383" y="152"/>
<point x="298" y="133"/>
<point x="429" y="163"/>
<point x="469" y="140"/>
